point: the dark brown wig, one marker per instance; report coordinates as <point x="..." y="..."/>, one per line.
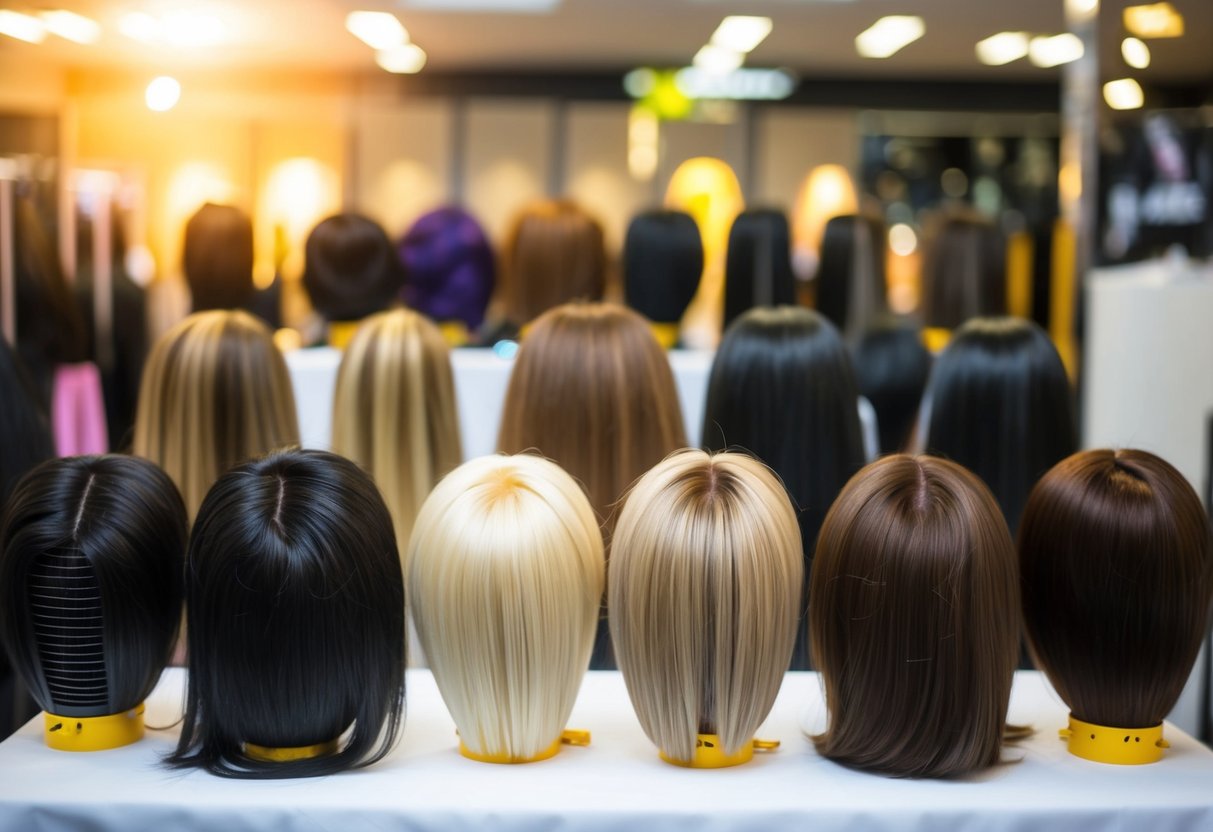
<point x="218" y="257"/>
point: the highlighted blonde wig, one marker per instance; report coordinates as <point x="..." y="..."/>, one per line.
<point x="504" y="576"/>
<point x="706" y="570"/>
<point x="394" y="410"/>
<point x="215" y="392"/>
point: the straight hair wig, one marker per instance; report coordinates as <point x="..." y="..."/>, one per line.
<point x="350" y="268"/>
<point x="394" y="410"/>
<point x="91" y="561"/>
<point x="1000" y="404"/>
<point x="505" y="578"/>
<point x="704" y="595"/>
<point x="295" y="606"/>
<point x="965" y="273"/>
<point x="914" y="620"/>
<point x="215" y="392"/>
<point x="218" y="257"/>
<point x="758" y="264"/>
<point x="25" y="432"/>
<point x="851" y="290"/>
<point x="892" y="366"/>
<point x="662" y="264"/>
<point x="449" y="267"/>
<point x="1117" y="579"/>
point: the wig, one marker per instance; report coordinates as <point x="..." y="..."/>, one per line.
<point x="25" y="434"/>
<point x="449" y="267"/>
<point x="758" y="267"/>
<point x="554" y="254"/>
<point x="215" y="392"/>
<point x="914" y="620"/>
<point x="218" y="257"/>
<point x="965" y="273"/>
<point x="892" y="367"/>
<point x="662" y="264"/>
<point x="1117" y="579"/>
<point x="1000" y="405"/>
<point x="783" y="390"/>
<point x="505" y="578"/>
<point x="851" y="290"/>
<point x="350" y="269"/>
<point x="91" y="557"/>
<point x="295" y="606"/>
<point x="394" y="410"/>
<point x="704" y="594"/>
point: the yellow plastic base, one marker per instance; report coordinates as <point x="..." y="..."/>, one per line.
<point x="568" y="737"/>
<point x="93" y="733"/>
<point x="709" y="753"/>
<point x="666" y="334"/>
<point x="284" y="755"/>
<point x="1118" y="746"/>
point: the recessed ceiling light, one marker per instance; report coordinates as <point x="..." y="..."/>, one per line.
<point x="378" y="30"/>
<point x="490" y="6"/>
<point x="1158" y="20"/>
<point x="1123" y="94"/>
<point x="741" y="33"/>
<point x="889" y="35"/>
<point x="405" y="59"/>
<point x="21" y="26"/>
<point x="1045" y="51"/>
<point x="1135" y="53"/>
<point x="162" y="93"/>
<point x="1002" y="48"/>
<point x="717" y="59"/>
<point x="71" y="26"/>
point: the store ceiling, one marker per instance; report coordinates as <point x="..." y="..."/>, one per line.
<point x="813" y="37"/>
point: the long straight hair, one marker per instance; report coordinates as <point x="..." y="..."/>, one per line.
<point x="1117" y="569"/>
<point x="1001" y="405"/>
<point x="965" y="272"/>
<point x="215" y="392"/>
<point x="505" y="577"/>
<point x="91" y="557"/>
<point x="705" y="585"/>
<point x="851" y="289"/>
<point x="662" y="264"/>
<point x="394" y="410"/>
<point x="914" y="620"/>
<point x="295" y="606"/>
<point x="25" y="432"/>
<point x="892" y="366"/>
<point x="758" y="264"/>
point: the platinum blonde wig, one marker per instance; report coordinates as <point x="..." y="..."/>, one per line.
<point x="504" y="576"/>
<point x="706" y="573"/>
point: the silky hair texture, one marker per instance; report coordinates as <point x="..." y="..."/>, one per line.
<point x="394" y="410"/>
<point x="704" y="594"/>
<point x="91" y="560"/>
<point x="914" y="621"/>
<point x="295" y="605"/>
<point x="215" y="392"/>
<point x="1117" y="579"/>
<point x="851" y="289"/>
<point x="505" y="577"/>
<point x="758" y="264"/>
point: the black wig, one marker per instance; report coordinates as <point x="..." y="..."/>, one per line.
<point x="662" y="264"/>
<point x="1000" y="404"/>
<point x="851" y="289"/>
<point x="758" y="264"/>
<point x="782" y="388"/>
<point x="25" y="433"/>
<point x="892" y="366"/>
<point x="350" y="268"/>
<point x="295" y="607"/>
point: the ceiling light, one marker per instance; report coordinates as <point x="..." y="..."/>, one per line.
<point x="1045" y="51"/>
<point x="1002" y="48"/>
<point x="741" y="33"/>
<point x="889" y="35"/>
<point x="162" y="93"/>
<point x="378" y="30"/>
<point x="1135" y="53"/>
<point x="192" y="29"/>
<point x="1123" y="94"/>
<point x="1159" y="20"/>
<point x="140" y="26"/>
<point x="21" y="26"/>
<point x="717" y="59"/>
<point x="71" y="26"/>
<point x="402" y="60"/>
<point x="1081" y="10"/>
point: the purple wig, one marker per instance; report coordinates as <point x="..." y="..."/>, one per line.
<point x="449" y="266"/>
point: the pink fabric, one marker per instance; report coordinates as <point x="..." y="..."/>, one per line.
<point x="79" y="410"/>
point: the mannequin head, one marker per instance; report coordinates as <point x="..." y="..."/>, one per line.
<point x="965" y="273"/>
<point x="350" y="268"/>
<point x="758" y="267"/>
<point x="851" y="289"/>
<point x="449" y="267"/>
<point x="218" y="257"/>
<point x="662" y="264"/>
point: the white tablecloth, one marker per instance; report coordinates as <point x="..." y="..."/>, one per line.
<point x="616" y="783"/>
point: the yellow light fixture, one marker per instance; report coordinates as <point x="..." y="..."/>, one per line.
<point x="405" y="59"/>
<point x="22" y="26"/>
<point x="378" y="30"/>
<point x="889" y="35"/>
<point x="1123" y="94"/>
<point x="1002" y="48"/>
<point x="1157" y="20"/>
<point x="71" y="26"/>
<point x="741" y="33"/>
<point x="1045" y="51"/>
<point x="1135" y="52"/>
<point x="162" y="93"/>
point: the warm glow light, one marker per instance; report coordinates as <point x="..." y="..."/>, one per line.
<point x="71" y="26"/>
<point x="1045" y="51"/>
<point x="1159" y="20"/>
<point x="1135" y="53"/>
<point x="717" y="59"/>
<point x="1081" y="10"/>
<point x="902" y="240"/>
<point x="1123" y="94"/>
<point x="741" y="33"/>
<point x="827" y="192"/>
<point x="378" y="30"/>
<point x="643" y="135"/>
<point x="889" y="35"/>
<point x="1069" y="183"/>
<point x="140" y="26"/>
<point x="192" y="29"/>
<point x="298" y="193"/>
<point x="1002" y="48"/>
<point x="402" y="60"/>
<point x="22" y="27"/>
<point x="163" y="93"/>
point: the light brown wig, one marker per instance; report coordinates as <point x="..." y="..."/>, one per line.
<point x="913" y="618"/>
<point x="394" y="410"/>
<point x="1115" y="555"/>
<point x="215" y="392"/>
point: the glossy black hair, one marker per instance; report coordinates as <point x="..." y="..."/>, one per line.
<point x="1001" y="405"/>
<point x="851" y="290"/>
<point x="350" y="268"/>
<point x="782" y="388"/>
<point x="662" y="264"/>
<point x="25" y="433"/>
<point x="892" y="367"/>
<point x="91" y="557"/>
<point x="758" y="264"/>
<point x="295" y="612"/>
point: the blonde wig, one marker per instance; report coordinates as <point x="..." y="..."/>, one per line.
<point x="592" y="389"/>
<point x="706" y="571"/>
<point x="394" y="410"/>
<point x="504" y="576"/>
<point x="215" y="392"/>
<point x="914" y="620"/>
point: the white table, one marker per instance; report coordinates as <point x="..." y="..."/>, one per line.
<point x="616" y="783"/>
